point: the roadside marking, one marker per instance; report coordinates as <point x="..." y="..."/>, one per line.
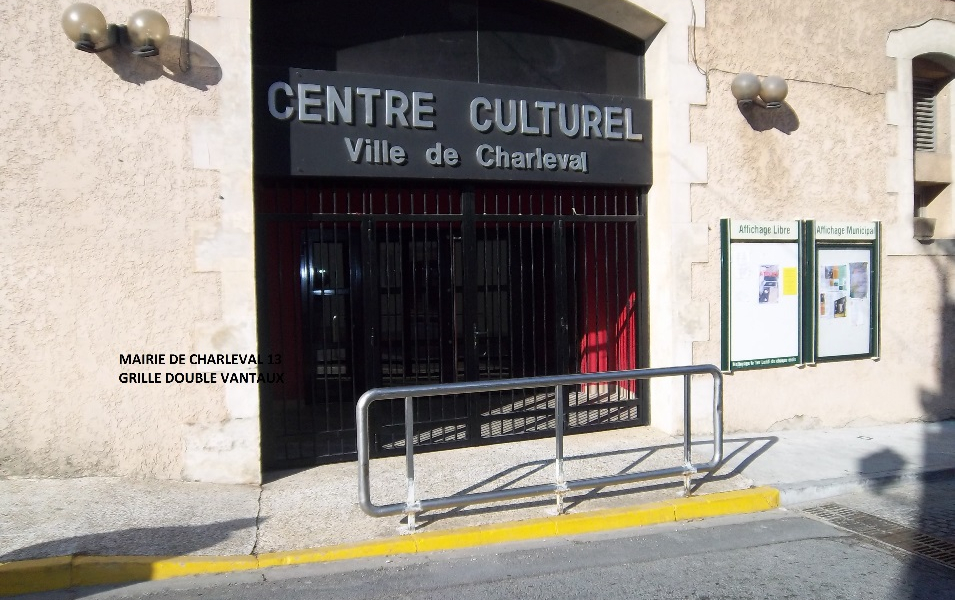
<point x="47" y="574"/>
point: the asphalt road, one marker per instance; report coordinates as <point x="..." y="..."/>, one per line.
<point x="777" y="555"/>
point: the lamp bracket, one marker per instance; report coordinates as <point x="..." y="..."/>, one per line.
<point x="113" y="35"/>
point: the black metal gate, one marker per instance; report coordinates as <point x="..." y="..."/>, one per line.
<point x="368" y="286"/>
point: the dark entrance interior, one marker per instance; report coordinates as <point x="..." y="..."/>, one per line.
<point x="365" y="284"/>
<point x="368" y="286"/>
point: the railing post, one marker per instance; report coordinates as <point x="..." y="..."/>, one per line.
<point x="687" y="437"/>
<point x="409" y="462"/>
<point x="561" y="487"/>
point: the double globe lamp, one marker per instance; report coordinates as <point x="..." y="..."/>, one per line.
<point x="771" y="91"/>
<point x="85" y="25"/>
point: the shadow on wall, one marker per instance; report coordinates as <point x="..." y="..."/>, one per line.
<point x="763" y="119"/>
<point x="940" y="405"/>
<point x="190" y="64"/>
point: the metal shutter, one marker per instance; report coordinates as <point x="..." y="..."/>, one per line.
<point x="923" y="104"/>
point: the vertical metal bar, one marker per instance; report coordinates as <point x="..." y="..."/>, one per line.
<point x="687" y="435"/>
<point x="293" y="413"/>
<point x="332" y="372"/>
<point x="348" y="273"/>
<point x="429" y="310"/>
<point x="484" y="248"/>
<point x="409" y="462"/>
<point x="559" y="274"/>
<point x="642" y="280"/>
<point x="522" y="287"/>
<point x="544" y="343"/>
<point x="484" y="339"/>
<point x="484" y="245"/>
<point x="312" y="361"/>
<point x="630" y="289"/>
<point x="593" y="308"/>
<point x="309" y="345"/>
<point x="533" y="289"/>
<point x="390" y="280"/>
<point x="469" y="306"/>
<point x="364" y="469"/>
<point x="463" y="405"/>
<point x="561" y="487"/>
<point x="438" y="412"/>
<point x="573" y="301"/>
<point x="404" y="257"/>
<point x="309" y="421"/>
<point x="346" y="295"/>
<point x="409" y="247"/>
<point x="416" y="309"/>
<point x="501" y="305"/>
<point x="592" y="297"/>
<point x="561" y="291"/>
<point x="362" y="321"/>
<point x="326" y="384"/>
<point x="366" y="304"/>
<point x="611" y="336"/>
<point x="515" y="292"/>
<point x="620" y="307"/>
<point x="717" y="419"/>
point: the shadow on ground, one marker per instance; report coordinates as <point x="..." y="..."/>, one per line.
<point x="511" y="477"/>
<point x="938" y="405"/>
<point x="139" y="541"/>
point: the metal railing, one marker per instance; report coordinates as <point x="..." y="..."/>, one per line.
<point x="412" y="506"/>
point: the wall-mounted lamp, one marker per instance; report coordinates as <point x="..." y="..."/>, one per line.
<point x="85" y="25"/>
<point x="770" y="92"/>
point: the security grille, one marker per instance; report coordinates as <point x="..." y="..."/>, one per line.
<point x="362" y="287"/>
<point x="924" y="108"/>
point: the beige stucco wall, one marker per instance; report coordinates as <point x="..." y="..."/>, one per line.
<point x="126" y="222"/>
<point x="833" y="154"/>
<point x="125" y="227"/>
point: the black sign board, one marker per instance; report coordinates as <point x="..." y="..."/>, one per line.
<point x="335" y="124"/>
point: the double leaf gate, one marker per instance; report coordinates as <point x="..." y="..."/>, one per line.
<point x="365" y="287"/>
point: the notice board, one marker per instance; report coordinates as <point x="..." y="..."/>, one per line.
<point x="844" y="262"/>
<point x="762" y="294"/>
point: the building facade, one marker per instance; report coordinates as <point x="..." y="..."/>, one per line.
<point x="178" y="216"/>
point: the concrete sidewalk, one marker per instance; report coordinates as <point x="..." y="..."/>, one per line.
<point x="317" y="508"/>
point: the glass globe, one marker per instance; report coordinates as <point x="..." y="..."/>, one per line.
<point x="147" y="30"/>
<point x="84" y="24"/>
<point x="773" y="91"/>
<point x="745" y="87"/>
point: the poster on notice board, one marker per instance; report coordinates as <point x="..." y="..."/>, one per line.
<point x="844" y="302"/>
<point x="762" y="307"/>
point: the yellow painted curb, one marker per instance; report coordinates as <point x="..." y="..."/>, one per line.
<point x="652" y="513"/>
<point x="728" y="503"/>
<point x="40" y="575"/>
<point x="483" y="535"/>
<point x="399" y="545"/>
<point x="102" y="570"/>
<point x="48" y="574"/>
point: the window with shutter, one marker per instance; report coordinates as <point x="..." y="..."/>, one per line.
<point x="924" y="92"/>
